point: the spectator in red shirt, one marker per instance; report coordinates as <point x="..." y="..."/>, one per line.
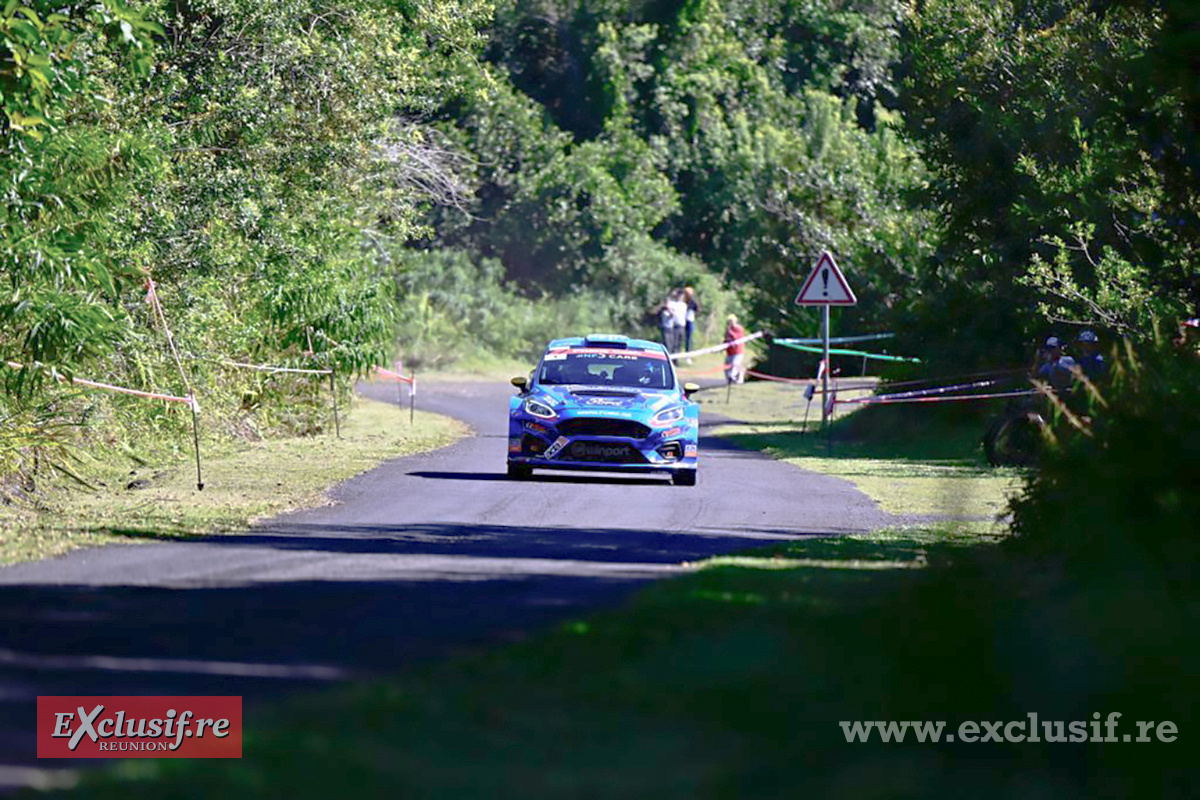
<point x="735" y="352"/>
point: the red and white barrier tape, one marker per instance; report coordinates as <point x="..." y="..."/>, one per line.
<point x="108" y="387"/>
<point x="764" y="376"/>
<point x="411" y="380"/>
<point x="995" y="373"/>
<point x="716" y="348"/>
<point x="262" y="368"/>
<point x="935" y="390"/>
<point x="152" y="295"/>
<point x="884" y="399"/>
<point x="833" y="385"/>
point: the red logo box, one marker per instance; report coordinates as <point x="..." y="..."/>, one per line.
<point x="139" y="727"/>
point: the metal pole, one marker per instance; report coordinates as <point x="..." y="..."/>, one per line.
<point x="337" y="423"/>
<point x="825" y="372"/>
<point x="196" y="443"/>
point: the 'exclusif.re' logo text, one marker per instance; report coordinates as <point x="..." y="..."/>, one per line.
<point x="139" y="727"/>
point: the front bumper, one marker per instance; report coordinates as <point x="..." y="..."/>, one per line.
<point x="538" y="444"/>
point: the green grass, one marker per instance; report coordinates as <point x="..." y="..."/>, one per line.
<point x="918" y="460"/>
<point x="243" y="481"/>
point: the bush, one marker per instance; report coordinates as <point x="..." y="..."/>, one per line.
<point x="1121" y="496"/>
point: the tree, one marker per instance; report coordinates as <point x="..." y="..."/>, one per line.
<point x="1049" y="141"/>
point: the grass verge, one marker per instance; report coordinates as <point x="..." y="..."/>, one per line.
<point x="115" y="496"/>
<point x="916" y="460"/>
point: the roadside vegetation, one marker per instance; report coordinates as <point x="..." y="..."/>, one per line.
<point x="330" y="185"/>
<point x="115" y="494"/>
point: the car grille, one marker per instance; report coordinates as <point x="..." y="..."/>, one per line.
<point x="603" y="426"/>
<point x="605" y="452"/>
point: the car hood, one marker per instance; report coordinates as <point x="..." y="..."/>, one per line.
<point x="601" y="399"/>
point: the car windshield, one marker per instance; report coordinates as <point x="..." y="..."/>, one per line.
<point x="634" y="369"/>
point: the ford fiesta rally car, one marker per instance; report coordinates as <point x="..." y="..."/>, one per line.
<point x="604" y="403"/>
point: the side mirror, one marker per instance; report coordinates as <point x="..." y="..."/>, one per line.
<point x="690" y="389"/>
<point x="521" y="382"/>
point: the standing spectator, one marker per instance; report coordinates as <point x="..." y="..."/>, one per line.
<point x="693" y="308"/>
<point x="677" y="307"/>
<point x="1090" y="360"/>
<point x="1052" y="366"/>
<point x="666" y="323"/>
<point x="735" y="351"/>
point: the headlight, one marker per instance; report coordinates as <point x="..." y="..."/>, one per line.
<point x="538" y="409"/>
<point x="664" y="418"/>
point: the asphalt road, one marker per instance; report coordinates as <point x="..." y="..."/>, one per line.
<point x="424" y="557"/>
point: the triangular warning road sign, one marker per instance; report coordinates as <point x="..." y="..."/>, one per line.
<point x="826" y="286"/>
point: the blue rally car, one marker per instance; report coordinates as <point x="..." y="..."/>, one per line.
<point x="604" y="402"/>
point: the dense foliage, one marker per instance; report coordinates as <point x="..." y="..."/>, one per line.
<point x="1115" y="492"/>
<point x="242" y="155"/>
<point x="319" y="184"/>
<point x="1062" y="137"/>
<point x="745" y="136"/>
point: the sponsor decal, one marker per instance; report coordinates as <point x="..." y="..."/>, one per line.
<point x="607" y="413"/>
<point x="629" y="355"/>
<point x="603" y="401"/>
<point x="673" y="432"/>
<point x="514" y="445"/>
<point x="139" y="727"/>
<point x="555" y="448"/>
<point x="689" y="450"/>
<point x="599" y="449"/>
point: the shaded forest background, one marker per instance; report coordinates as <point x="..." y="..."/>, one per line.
<point x="329" y="184"/>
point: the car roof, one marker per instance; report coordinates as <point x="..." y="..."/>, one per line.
<point x="607" y="340"/>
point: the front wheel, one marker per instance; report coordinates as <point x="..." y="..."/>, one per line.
<point x="684" y="477"/>
<point x="1014" y="440"/>
<point x="519" y="472"/>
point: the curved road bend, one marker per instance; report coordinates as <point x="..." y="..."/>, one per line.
<point x="422" y="557"/>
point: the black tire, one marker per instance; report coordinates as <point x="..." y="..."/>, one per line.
<point x="519" y="472"/>
<point x="684" y="477"/>
<point x="1013" y="440"/>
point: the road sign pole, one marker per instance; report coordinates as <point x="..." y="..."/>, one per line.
<point x="825" y="286"/>
<point x="825" y="372"/>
